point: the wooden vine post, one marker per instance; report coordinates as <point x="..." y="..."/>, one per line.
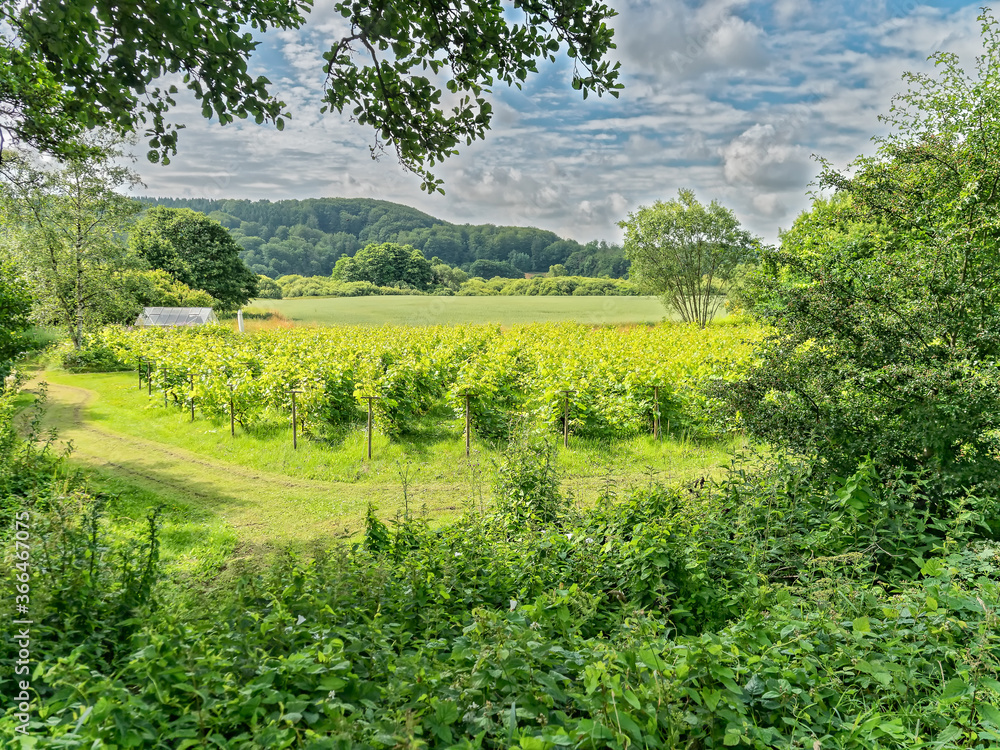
<point x="468" y="424"/>
<point x="191" y="383"/>
<point x="232" y="408"/>
<point x="164" y="387"/>
<point x="142" y="361"/>
<point x="295" y="439"/>
<point x="370" y="399"/>
<point x="566" y="394"/>
<point x="656" y="413"/>
<point x="149" y="377"/>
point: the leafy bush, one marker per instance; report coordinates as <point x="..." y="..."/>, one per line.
<point x="268" y="288"/>
<point x="613" y="628"/>
<point x="580" y="286"/>
<point x="526" y="486"/>
<point x="90" y="591"/>
<point x="884" y="298"/>
<point x="92" y="357"/>
<point x="28" y="461"/>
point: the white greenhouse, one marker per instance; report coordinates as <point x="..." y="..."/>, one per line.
<point x="176" y="316"/>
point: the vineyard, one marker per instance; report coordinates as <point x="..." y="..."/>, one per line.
<point x="592" y="382"/>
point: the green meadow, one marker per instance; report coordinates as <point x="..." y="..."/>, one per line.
<point x="432" y="310"/>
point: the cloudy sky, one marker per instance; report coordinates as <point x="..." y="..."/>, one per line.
<point x="729" y="98"/>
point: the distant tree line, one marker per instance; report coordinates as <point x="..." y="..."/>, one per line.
<point x="308" y="237"/>
<point x="539" y="286"/>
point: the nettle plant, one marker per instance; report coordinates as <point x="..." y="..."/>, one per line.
<point x="526" y="484"/>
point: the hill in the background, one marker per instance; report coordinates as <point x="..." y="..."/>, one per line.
<point x="307" y="237"/>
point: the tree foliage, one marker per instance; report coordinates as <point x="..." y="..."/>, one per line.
<point x="71" y="66"/>
<point x="15" y="307"/>
<point x="686" y="252"/>
<point x="418" y="73"/>
<point x="489" y="269"/>
<point x="64" y="227"/>
<point x="471" y="46"/>
<point x="196" y="251"/>
<point x="885" y="299"/>
<point x="386" y="264"/>
<point x="307" y="237"/>
<point x="598" y="258"/>
<point x="447" y="277"/>
<point x="268" y="288"/>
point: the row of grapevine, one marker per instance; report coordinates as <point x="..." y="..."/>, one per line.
<point x="610" y="372"/>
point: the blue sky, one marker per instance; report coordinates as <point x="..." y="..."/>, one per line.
<point x="729" y="98"/>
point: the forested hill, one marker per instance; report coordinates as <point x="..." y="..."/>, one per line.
<point x="307" y="237"/>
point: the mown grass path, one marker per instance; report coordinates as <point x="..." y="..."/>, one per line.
<point x="263" y="509"/>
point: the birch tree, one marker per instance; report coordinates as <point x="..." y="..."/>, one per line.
<point x="63" y="225"/>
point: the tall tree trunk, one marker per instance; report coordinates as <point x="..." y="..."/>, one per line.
<point x="78" y="337"/>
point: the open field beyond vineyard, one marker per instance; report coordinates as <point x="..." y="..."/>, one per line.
<point x="423" y="310"/>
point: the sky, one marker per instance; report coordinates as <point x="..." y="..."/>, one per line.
<point x="734" y="100"/>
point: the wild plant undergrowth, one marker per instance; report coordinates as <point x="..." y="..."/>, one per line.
<point x="777" y="608"/>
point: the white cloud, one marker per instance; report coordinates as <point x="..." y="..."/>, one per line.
<point x="728" y="97"/>
<point x="763" y="157"/>
<point x="786" y="11"/>
<point x="684" y="42"/>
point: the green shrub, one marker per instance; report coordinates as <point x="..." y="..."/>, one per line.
<point x="93" y="357"/>
<point x="525" y="485"/>
<point x="467" y="640"/>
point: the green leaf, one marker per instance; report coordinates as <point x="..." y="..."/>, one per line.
<point x="989" y="713"/>
<point x="651" y="659"/>
<point x="446" y="712"/>
<point x="954" y="689"/>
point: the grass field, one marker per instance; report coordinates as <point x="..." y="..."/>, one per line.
<point x="421" y="310"/>
<point x="253" y="491"/>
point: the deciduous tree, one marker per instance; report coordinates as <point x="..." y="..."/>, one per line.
<point x="686" y="253"/>
<point x="386" y="264"/>
<point x="489" y="269"/>
<point x="63" y="226"/>
<point x="885" y="299"/>
<point x="197" y="251"/>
